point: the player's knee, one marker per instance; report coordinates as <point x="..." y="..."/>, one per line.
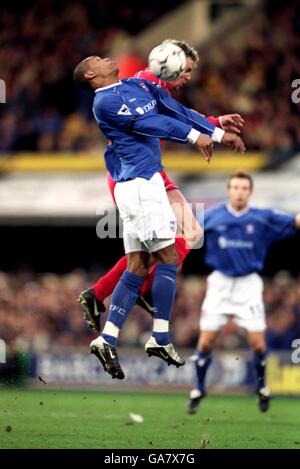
<point x="258" y="346"/>
<point x="139" y="270"/>
<point x="205" y="344"/>
<point x="172" y="257"/>
<point x="206" y="347"/>
<point x="167" y="255"/>
<point x="138" y="265"/>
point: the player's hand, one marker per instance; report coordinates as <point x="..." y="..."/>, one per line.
<point x="205" y="145"/>
<point x="234" y="142"/>
<point x="232" y="123"/>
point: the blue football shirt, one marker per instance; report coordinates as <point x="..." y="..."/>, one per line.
<point x="236" y="243"/>
<point x="134" y="115"/>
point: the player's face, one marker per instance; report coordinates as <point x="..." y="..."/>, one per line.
<point x="103" y="68"/>
<point x="239" y="192"/>
<point x="186" y="76"/>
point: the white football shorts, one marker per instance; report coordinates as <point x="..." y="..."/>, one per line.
<point x="240" y="297"/>
<point x="149" y="223"/>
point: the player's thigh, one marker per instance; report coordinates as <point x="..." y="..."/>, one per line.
<point x="249" y="309"/>
<point x="157" y="219"/>
<point x="207" y="340"/>
<point x="166" y="255"/>
<point x="187" y="225"/>
<point x="149" y="223"/>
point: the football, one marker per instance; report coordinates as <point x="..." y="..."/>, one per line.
<point x="167" y="61"/>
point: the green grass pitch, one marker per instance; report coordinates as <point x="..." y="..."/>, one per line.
<point x="78" y="419"/>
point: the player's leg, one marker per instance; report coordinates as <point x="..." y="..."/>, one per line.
<point x="189" y="232"/>
<point x="125" y="294"/>
<point x="212" y="320"/>
<point x="159" y="231"/>
<point x="251" y="316"/>
<point x="163" y="294"/>
<point x="188" y="227"/>
<point x="126" y="291"/>
<point x="203" y="360"/>
<point x="92" y="299"/>
<point x="123" y="299"/>
<point x="257" y="342"/>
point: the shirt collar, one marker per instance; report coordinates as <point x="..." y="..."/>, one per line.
<point x="235" y="213"/>
<point x="108" y="86"/>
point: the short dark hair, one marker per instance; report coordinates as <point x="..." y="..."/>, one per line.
<point x="187" y="49"/>
<point x="241" y="175"/>
<point x="78" y="75"/>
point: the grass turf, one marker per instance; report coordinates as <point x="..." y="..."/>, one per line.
<point x="78" y="419"/>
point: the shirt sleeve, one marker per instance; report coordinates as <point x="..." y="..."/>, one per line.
<point x="281" y="224"/>
<point x="169" y="106"/>
<point x="112" y="111"/>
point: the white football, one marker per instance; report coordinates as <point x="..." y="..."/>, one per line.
<point x="167" y="61"/>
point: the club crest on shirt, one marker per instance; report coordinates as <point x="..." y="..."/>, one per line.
<point x="124" y="110"/>
<point x="173" y="226"/>
<point x="250" y="228"/>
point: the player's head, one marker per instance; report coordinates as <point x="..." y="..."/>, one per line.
<point x="239" y="188"/>
<point x="95" y="72"/>
<point x="192" y="59"/>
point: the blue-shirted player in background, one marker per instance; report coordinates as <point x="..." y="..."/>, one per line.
<point x="134" y="115"/>
<point x="237" y="238"/>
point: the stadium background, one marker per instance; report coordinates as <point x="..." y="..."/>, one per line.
<point x="53" y="190"/>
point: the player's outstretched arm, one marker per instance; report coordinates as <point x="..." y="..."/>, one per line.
<point x="171" y="107"/>
<point x="229" y="122"/>
<point x="112" y="113"/>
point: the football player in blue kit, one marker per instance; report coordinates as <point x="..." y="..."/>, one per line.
<point x="134" y="115"/>
<point x="236" y="241"/>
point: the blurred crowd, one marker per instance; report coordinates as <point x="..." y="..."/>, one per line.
<point x="40" y="312"/>
<point x="254" y="77"/>
<point x="45" y="112"/>
<point x="40" y="44"/>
